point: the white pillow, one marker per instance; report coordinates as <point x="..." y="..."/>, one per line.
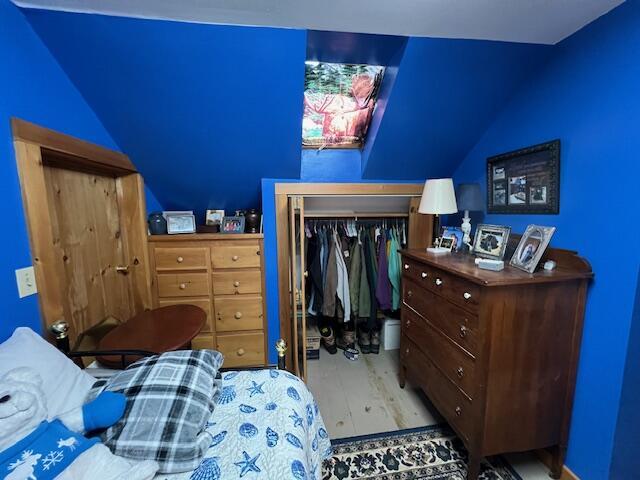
<point x="65" y="384"/>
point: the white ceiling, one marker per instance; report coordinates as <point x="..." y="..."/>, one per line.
<point x="530" y="21"/>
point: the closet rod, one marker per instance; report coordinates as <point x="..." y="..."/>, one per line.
<point x="355" y="215"/>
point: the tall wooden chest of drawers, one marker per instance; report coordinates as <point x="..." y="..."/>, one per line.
<point x="495" y="352"/>
<point x="222" y="274"/>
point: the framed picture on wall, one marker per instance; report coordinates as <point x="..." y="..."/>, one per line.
<point x="525" y="180"/>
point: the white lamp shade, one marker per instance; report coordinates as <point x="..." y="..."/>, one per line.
<point x="438" y="197"/>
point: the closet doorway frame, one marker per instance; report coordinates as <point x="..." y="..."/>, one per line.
<point x="420" y="232"/>
<point x="37" y="147"/>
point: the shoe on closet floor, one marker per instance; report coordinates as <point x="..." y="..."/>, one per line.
<point x="348" y="340"/>
<point x="364" y="342"/>
<point x="375" y="342"/>
<point x="328" y="340"/>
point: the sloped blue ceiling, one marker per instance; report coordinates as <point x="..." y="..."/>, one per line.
<point x="203" y="111"/>
<point x="446" y="94"/>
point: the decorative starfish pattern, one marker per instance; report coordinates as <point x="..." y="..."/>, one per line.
<point x="297" y="419"/>
<point x="248" y="464"/>
<point x="255" y="389"/>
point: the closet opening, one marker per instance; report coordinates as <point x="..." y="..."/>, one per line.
<point x="342" y="279"/>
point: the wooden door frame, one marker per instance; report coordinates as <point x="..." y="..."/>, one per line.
<point x="31" y="141"/>
<point x="282" y="193"/>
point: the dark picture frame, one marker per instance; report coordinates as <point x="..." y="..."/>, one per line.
<point x="525" y="180"/>
<point x="232" y="225"/>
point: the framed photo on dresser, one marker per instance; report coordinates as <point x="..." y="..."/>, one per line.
<point x="525" y="180"/>
<point x="490" y="241"/>
<point x="532" y="245"/>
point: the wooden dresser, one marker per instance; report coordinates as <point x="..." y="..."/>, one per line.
<point x="224" y="275"/>
<point x="496" y="352"/>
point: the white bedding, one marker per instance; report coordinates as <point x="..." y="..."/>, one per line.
<point x="266" y="425"/>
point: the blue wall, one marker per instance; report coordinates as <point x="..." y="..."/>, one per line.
<point x="626" y="460"/>
<point x="34" y="88"/>
<point x="587" y="95"/>
<point x="203" y="111"/>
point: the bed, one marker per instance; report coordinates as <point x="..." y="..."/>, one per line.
<point x="265" y="423"/>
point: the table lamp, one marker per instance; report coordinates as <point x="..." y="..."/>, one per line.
<point x="438" y="198"/>
<point x="469" y="198"/>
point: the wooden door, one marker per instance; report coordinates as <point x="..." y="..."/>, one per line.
<point x="85" y="209"/>
<point x="298" y="276"/>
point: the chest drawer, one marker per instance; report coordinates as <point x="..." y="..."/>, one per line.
<point x="237" y="282"/>
<point x="203" y="342"/>
<point x="187" y="258"/>
<point x="458" y="290"/>
<point x="458" y="324"/>
<point x="183" y="284"/>
<point x="238" y="313"/>
<point x="237" y="255"/>
<point x="450" y="402"/>
<point x="457" y="365"/>
<point x="241" y="349"/>
<point x="203" y="303"/>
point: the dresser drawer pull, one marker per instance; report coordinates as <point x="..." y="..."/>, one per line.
<point x="406" y="266"/>
<point x="182" y="286"/>
<point x="463" y="331"/>
<point x="240" y="352"/>
<point x="180" y="259"/>
<point x="408" y="323"/>
<point x="460" y="372"/>
<point x="458" y="411"/>
<point x="407" y="351"/>
<point x="235" y="258"/>
<point x="466" y="295"/>
<point x="238" y="315"/>
<point x="409" y="293"/>
<point x="236" y="283"/>
<point x="438" y="282"/>
<point x="424" y="274"/>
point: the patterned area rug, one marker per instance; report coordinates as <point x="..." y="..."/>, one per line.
<point x="433" y="453"/>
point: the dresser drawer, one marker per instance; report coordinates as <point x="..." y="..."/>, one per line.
<point x="241" y="349"/>
<point x="450" y="402"/>
<point x="458" y="324"/>
<point x="237" y="282"/>
<point x="183" y="284"/>
<point x="240" y="254"/>
<point x="203" y="303"/>
<point x="454" y="362"/>
<point x="203" y="342"/>
<point x="458" y="290"/>
<point x="238" y="313"/>
<point x="187" y="258"/>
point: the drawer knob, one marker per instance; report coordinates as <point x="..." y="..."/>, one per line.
<point x="408" y="323"/>
<point x="424" y="274"/>
<point x="238" y="315"/>
<point x="458" y="411"/>
<point x="409" y="293"/>
<point x="240" y="352"/>
<point x="438" y="282"/>
<point x="466" y="295"/>
<point x="406" y="266"/>
<point x="235" y="258"/>
<point x="236" y="283"/>
<point x="460" y="372"/>
<point x="463" y="331"/>
<point x="182" y="286"/>
<point x="407" y="351"/>
<point x="179" y="259"/>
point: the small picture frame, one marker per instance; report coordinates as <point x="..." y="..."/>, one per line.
<point x="232" y="225"/>
<point x="181" y="223"/>
<point x="457" y="235"/>
<point x="531" y="247"/>
<point x="447" y="242"/>
<point x="490" y="241"/>
<point x="214" y="217"/>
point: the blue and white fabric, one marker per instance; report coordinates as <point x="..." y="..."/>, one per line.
<point x="266" y="425"/>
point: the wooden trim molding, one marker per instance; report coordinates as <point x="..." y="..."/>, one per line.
<point x="76" y="150"/>
<point x="348" y="189"/>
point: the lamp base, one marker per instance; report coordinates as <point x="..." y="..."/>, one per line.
<point x="438" y="250"/>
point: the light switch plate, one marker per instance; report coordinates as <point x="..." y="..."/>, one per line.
<point x="26" y="279"/>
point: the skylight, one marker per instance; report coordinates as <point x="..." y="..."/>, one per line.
<point x="338" y="103"/>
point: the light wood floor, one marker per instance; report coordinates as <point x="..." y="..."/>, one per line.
<point x="363" y="397"/>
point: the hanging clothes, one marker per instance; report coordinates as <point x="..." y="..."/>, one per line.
<point x="394" y="269"/>
<point x="342" y="285"/>
<point x="314" y="267"/>
<point x="371" y="322"/>
<point x="331" y="279"/>
<point x="383" y="286"/>
<point x="355" y="276"/>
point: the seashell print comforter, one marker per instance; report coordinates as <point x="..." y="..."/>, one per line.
<point x="266" y="425"/>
